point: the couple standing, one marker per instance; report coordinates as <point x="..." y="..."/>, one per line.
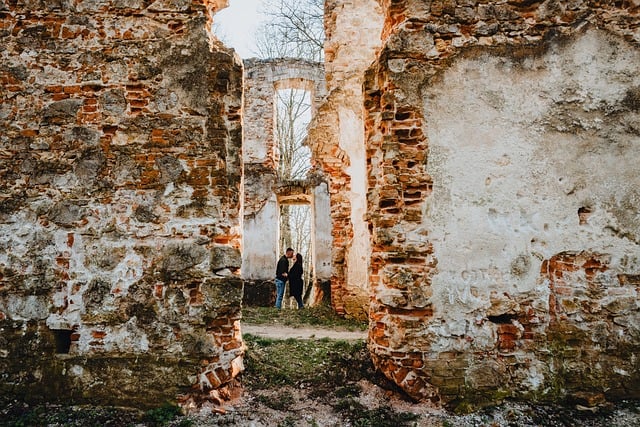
<point x="294" y="275"/>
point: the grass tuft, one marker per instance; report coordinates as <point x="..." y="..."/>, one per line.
<point x="163" y="415"/>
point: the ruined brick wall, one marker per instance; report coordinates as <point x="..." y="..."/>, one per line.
<point x="120" y="178"/>
<point x="502" y="139"/>
<point x="337" y="140"/>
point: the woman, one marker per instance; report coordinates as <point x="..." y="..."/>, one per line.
<point x="295" y="281"/>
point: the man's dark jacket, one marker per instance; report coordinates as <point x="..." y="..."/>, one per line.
<point x="282" y="267"/>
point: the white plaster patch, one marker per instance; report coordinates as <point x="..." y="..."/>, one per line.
<point x="352" y="142"/>
<point x="515" y="149"/>
<point x="259" y="260"/>
<point x="76" y="370"/>
<point x="126" y="338"/>
<point x="322" y="232"/>
<point x="534" y="376"/>
<point x="30" y="307"/>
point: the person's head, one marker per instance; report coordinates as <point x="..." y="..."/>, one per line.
<point x="298" y="259"/>
<point x="289" y="253"/>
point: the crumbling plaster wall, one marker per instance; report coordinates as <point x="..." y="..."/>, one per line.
<point x="352" y="41"/>
<point x="263" y="78"/>
<point x="503" y="196"/>
<point x="120" y="171"/>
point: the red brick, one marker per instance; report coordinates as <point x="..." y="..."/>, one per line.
<point x="98" y="334"/>
<point x="29" y="132"/>
<point x="198" y="176"/>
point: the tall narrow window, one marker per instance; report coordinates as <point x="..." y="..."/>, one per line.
<point x="293" y="113"/>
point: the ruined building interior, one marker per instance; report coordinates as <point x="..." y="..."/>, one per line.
<point x="474" y="195"/>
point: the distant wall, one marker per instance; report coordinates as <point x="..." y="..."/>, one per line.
<point x="502" y="146"/>
<point x="120" y="175"/>
<point x="263" y="189"/>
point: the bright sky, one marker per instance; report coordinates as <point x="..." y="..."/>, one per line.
<point x="236" y="25"/>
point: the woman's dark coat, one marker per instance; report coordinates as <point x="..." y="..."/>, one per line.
<point x="295" y="280"/>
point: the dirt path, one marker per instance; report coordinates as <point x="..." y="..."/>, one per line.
<point x="283" y="332"/>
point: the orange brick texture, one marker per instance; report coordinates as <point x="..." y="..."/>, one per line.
<point x="577" y="339"/>
<point x="120" y="170"/>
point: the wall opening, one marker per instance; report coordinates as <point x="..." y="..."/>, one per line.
<point x="286" y="202"/>
<point x="237" y="24"/>
<point x="63" y="340"/>
<point x="295" y="231"/>
<point x="292" y="117"/>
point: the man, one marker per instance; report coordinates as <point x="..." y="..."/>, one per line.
<point x="282" y="272"/>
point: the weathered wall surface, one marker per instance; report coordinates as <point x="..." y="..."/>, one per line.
<point x="338" y="145"/>
<point x="119" y="202"/>
<point x="503" y="197"/>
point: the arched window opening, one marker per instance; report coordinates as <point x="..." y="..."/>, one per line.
<point x="292" y="117"/>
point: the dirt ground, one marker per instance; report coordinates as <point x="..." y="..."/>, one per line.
<point x="284" y="332"/>
<point x="385" y="409"/>
<point x="377" y="406"/>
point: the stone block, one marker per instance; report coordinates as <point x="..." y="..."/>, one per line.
<point x="225" y="257"/>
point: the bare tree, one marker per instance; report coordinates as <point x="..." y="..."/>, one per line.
<point x="295" y="29"/>
<point x="293" y="110"/>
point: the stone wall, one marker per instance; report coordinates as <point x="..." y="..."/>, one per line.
<point x="502" y="140"/>
<point x="120" y="176"/>
<point x="337" y="140"/>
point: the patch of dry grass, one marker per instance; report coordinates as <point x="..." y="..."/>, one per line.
<point x="319" y="316"/>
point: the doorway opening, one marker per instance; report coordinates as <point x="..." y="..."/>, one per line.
<point x="292" y="116"/>
<point x="295" y="232"/>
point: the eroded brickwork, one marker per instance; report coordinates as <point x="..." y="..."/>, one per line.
<point x="119" y="202"/>
<point x="501" y="196"/>
<point x="337" y="141"/>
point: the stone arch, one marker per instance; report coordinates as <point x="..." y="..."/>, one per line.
<point x="262" y="78"/>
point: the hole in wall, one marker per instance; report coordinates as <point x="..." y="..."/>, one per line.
<point x="583" y="214"/>
<point x="63" y="340"/>
<point x="295" y="232"/>
<point x="292" y="117"/>
<point x="236" y="25"/>
<point x="502" y="319"/>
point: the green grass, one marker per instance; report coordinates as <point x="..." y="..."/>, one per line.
<point x="324" y="362"/>
<point x="163" y="415"/>
<point x="330" y="369"/>
<point x="16" y="414"/>
<point x="320" y="316"/>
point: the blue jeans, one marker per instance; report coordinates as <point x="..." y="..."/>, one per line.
<point x="280" y="284"/>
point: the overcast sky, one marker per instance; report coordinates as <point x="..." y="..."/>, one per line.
<point x="236" y="25"/>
